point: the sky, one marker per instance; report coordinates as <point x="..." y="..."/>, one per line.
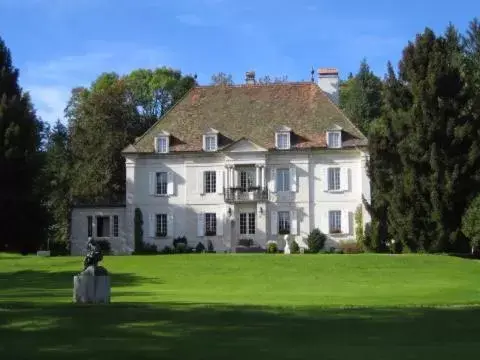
<point x="61" y="44"/>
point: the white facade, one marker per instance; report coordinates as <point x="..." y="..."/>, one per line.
<point x="191" y="194"/>
<point x="101" y="223"/>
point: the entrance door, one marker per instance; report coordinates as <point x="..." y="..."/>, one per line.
<point x="247" y="179"/>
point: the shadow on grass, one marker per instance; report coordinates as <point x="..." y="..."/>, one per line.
<point x="199" y="331"/>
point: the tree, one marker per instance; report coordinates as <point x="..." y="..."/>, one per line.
<point x="57" y="171"/>
<point x="361" y="97"/>
<point x="154" y="92"/>
<point x="21" y="202"/>
<point x="222" y="79"/>
<point x="316" y="241"/>
<point x="471" y="223"/>
<point x="102" y="122"/>
<point x="276" y="80"/>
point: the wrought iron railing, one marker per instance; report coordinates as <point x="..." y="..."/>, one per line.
<point x="252" y="194"/>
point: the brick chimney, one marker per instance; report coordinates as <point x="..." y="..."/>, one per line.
<point x="250" y="77"/>
<point x="328" y="81"/>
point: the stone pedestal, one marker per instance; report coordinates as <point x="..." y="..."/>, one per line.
<point x="91" y="289"/>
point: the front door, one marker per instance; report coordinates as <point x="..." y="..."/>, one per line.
<point x="247" y="179"/>
<point x="247" y="225"/>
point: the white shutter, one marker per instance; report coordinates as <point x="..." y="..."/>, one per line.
<point x="219" y="181"/>
<point x="344" y="179"/>
<point x="325" y="223"/>
<point x="273" y="180"/>
<point x="155" y="144"/>
<point x="200" y="224"/>
<point x="325" y="179"/>
<point x="274" y="222"/>
<point x="152" y="225"/>
<point x="203" y="143"/>
<point x="293" y="222"/>
<point x="345" y="222"/>
<point x="276" y="140"/>
<point x="220" y="224"/>
<point x="152" y="183"/>
<point x="170" y="225"/>
<point x="170" y="183"/>
<point x="111" y="226"/>
<point x="200" y="187"/>
<point x="293" y="178"/>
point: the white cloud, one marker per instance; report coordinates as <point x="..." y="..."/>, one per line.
<point x="50" y="82"/>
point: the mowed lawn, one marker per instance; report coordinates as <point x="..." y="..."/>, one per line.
<point x="261" y="306"/>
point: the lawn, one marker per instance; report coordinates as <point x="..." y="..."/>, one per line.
<point x="245" y="306"/>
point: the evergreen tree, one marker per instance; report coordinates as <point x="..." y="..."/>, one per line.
<point x="21" y="203"/>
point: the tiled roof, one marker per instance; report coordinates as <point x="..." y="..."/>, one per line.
<point x="253" y="112"/>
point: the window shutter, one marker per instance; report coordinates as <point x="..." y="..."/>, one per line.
<point x="293" y="178"/>
<point x="325" y="223"/>
<point x="170" y="225"/>
<point x="344" y="179"/>
<point x="203" y="143"/>
<point x="170" y="184"/>
<point x="155" y="144"/>
<point x="200" y="179"/>
<point x="219" y="180"/>
<point x="152" y="184"/>
<point x="345" y="222"/>
<point x="325" y="179"/>
<point x="274" y="223"/>
<point x="200" y="224"/>
<point x="293" y="222"/>
<point x="111" y="226"/>
<point x="167" y="139"/>
<point x="276" y="140"/>
<point x="273" y="180"/>
<point x="288" y="140"/>
<point x="220" y="224"/>
<point x="152" y="225"/>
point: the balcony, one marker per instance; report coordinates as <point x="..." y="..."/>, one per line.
<point x="240" y="195"/>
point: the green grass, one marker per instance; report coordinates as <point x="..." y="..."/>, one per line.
<point x="245" y="306"/>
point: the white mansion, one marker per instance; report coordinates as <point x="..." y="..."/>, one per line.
<point x="247" y="161"/>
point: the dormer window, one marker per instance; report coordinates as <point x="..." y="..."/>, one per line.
<point x="162" y="143"/>
<point x="334" y="139"/>
<point x="210" y="140"/>
<point x="282" y="138"/>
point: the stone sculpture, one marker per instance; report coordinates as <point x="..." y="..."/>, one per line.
<point x="92" y="285"/>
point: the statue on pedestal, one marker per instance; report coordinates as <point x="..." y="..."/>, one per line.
<point x="93" y="257"/>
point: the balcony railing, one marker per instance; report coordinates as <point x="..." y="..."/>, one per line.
<point x="252" y="194"/>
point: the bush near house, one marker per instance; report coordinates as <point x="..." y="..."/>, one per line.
<point x="350" y="247"/>
<point x="294" y="248"/>
<point x="272" y="248"/>
<point x="316" y="241"/>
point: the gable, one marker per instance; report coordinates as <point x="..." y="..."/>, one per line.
<point x="244" y="145"/>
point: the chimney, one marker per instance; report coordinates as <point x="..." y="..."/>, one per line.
<point x="328" y="81"/>
<point x="250" y="77"/>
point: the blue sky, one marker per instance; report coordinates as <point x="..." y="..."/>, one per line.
<point x="59" y="44"/>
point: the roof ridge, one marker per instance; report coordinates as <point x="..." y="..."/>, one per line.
<point x="297" y="83"/>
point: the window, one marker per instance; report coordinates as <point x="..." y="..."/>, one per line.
<point x="283" y="180"/>
<point x="334" y="179"/>
<point x="162" y="182"/>
<point x="334" y="139"/>
<point x="335" y="221"/>
<point x="247" y="180"/>
<point x="247" y="223"/>
<point x="115" y="225"/>
<point x="103" y="226"/>
<point x="210" y="224"/>
<point x="283" y="222"/>
<point x="89" y="226"/>
<point x="283" y="141"/>
<point x="162" y="144"/>
<point x="161" y="229"/>
<point x="210" y="181"/>
<point x="210" y="142"/>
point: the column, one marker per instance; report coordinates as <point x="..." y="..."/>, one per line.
<point x="257" y="176"/>
<point x="263" y="184"/>
<point x="227" y="182"/>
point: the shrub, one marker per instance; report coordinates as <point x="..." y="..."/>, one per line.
<point x="294" y="248"/>
<point x="210" y="247"/>
<point x="167" y="250"/>
<point x="180" y="240"/>
<point x="200" y="248"/>
<point x="146" y="249"/>
<point x="245" y="242"/>
<point x="316" y="241"/>
<point x="180" y="248"/>
<point x="105" y="246"/>
<point x="359" y="230"/>
<point x="272" y="247"/>
<point x="59" y="248"/>
<point x="350" y="247"/>
<point x="138" y="229"/>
